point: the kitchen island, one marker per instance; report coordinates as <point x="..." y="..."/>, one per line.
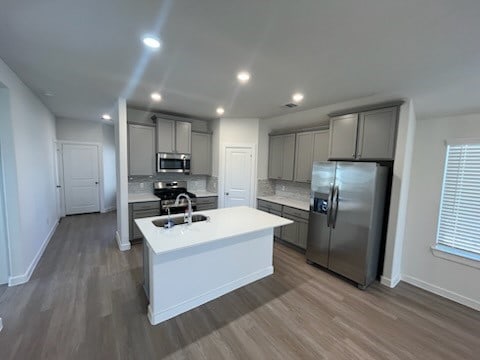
<point x="189" y="265"/>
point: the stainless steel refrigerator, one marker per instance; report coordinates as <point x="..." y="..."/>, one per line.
<point x="346" y="218"/>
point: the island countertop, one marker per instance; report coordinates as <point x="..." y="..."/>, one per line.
<point x="224" y="223"/>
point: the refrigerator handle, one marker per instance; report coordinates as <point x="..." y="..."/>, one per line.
<point x="335" y="207"/>
<point x="329" y="206"/>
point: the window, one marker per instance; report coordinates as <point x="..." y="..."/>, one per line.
<point x="459" y="219"/>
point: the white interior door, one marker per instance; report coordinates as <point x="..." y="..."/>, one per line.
<point x="81" y="178"/>
<point x="238" y="176"/>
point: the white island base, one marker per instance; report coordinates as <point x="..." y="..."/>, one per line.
<point x="190" y="265"/>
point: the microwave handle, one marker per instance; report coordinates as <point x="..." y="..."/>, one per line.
<point x="185" y="170"/>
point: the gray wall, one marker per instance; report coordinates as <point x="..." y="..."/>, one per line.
<point x="27" y="134"/>
<point x="3" y="233"/>
<point x="459" y="282"/>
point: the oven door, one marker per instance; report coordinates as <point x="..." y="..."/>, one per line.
<point x="173" y="163"/>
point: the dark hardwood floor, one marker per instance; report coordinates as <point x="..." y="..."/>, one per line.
<point x="85" y="301"/>
<point x="3" y="288"/>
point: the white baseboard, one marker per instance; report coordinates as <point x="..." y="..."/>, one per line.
<point x="391" y="283"/>
<point x="472" y="303"/>
<point x="121" y="247"/>
<point x="22" y="279"/>
<point x="206" y="297"/>
<point x="111" y="208"/>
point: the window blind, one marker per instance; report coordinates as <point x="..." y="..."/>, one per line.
<point x="459" y="219"/>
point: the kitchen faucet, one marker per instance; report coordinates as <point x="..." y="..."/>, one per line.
<point x="177" y="201"/>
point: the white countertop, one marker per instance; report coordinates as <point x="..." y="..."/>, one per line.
<point x="204" y="193"/>
<point x="224" y="223"/>
<point x="297" y="204"/>
<point x="141" y="197"/>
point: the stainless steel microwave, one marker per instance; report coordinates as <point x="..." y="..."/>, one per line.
<point x="173" y="163"/>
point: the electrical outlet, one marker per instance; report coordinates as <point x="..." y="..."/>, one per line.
<point x="283" y="187"/>
<point x="142" y="185"/>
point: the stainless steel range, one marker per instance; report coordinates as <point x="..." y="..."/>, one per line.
<point x="168" y="192"/>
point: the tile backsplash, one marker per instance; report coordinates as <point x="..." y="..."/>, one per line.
<point x="212" y="184"/>
<point x="294" y="190"/>
<point x="144" y="184"/>
<point x="265" y="187"/>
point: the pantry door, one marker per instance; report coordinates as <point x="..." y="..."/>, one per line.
<point x="238" y="176"/>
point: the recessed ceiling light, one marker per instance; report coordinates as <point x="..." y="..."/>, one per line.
<point x="297" y="97"/>
<point x="220" y="111"/>
<point x="156" y="96"/>
<point x="106" y="117"/>
<point x="243" y="77"/>
<point x="151" y="42"/>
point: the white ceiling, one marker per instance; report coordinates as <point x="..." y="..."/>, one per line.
<point x="88" y="53"/>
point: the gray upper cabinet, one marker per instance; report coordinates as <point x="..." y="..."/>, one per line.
<point x="281" y="157"/>
<point x="310" y="146"/>
<point x="275" y="157"/>
<point x="183" y="133"/>
<point x="165" y="135"/>
<point x="173" y="136"/>
<point x="288" y="156"/>
<point x="376" y="134"/>
<point x="369" y="135"/>
<point x="343" y="137"/>
<point x="201" y="160"/>
<point x="141" y="150"/>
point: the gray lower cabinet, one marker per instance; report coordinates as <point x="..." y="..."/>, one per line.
<point x="277" y="232"/>
<point x="281" y="157"/>
<point x="302" y="233"/>
<point x="138" y="211"/>
<point x="274" y="209"/>
<point x="310" y="146"/>
<point x="201" y="160"/>
<point x="207" y="203"/>
<point x="141" y="150"/>
<point x="295" y="233"/>
<point x="290" y="232"/>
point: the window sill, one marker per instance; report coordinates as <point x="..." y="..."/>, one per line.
<point x="456" y="255"/>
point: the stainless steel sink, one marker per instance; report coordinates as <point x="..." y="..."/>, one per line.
<point x="179" y="220"/>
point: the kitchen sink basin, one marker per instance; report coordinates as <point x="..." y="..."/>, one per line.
<point x="179" y="220"/>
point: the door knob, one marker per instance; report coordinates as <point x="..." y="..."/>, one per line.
<point x="226" y="193"/>
<point x="96" y="182"/>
